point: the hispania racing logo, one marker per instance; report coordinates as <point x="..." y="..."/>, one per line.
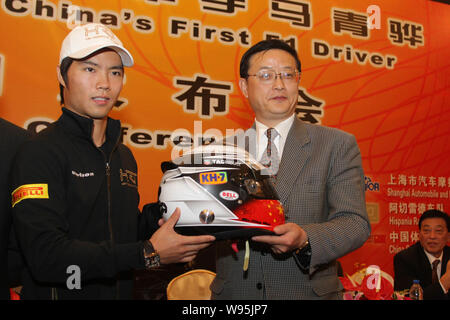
<point x="29" y="191"/>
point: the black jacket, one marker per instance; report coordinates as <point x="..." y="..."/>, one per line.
<point x="89" y="218"/>
<point x="412" y="264"/>
<point x="11" y="137"/>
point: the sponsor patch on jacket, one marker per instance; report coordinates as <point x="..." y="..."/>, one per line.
<point x="82" y="175"/>
<point x="219" y="177"/>
<point x="128" y="178"/>
<point x="29" y="191"/>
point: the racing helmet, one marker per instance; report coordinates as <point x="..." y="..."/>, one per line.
<point x="220" y="190"/>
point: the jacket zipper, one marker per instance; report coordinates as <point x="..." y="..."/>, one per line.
<point x="108" y="196"/>
<point x="108" y="186"/>
<point x="111" y="236"/>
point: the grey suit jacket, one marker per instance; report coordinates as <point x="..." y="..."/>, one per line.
<point x="321" y="186"/>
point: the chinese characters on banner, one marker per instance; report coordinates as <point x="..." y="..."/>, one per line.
<point x="410" y="196"/>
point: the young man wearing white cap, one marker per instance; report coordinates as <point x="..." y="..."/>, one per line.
<point x="74" y="192"/>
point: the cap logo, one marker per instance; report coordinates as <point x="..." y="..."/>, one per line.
<point x="98" y="31"/>
<point x="84" y="40"/>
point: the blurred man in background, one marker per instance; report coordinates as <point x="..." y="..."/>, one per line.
<point x="427" y="260"/>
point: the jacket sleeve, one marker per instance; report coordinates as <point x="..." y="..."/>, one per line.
<point x="15" y="261"/>
<point x="403" y="272"/>
<point x="347" y="226"/>
<point x="42" y="228"/>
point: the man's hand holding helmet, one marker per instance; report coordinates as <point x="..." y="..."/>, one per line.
<point x="288" y="237"/>
<point x="173" y="247"/>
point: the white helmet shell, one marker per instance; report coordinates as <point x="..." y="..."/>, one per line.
<point x="220" y="190"/>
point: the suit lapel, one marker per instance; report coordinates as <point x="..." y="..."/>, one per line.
<point x="293" y="159"/>
<point x="424" y="265"/>
<point x="445" y="257"/>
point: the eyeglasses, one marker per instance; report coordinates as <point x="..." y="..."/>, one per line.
<point x="269" y="76"/>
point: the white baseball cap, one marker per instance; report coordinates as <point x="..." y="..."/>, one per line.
<point x="86" y="39"/>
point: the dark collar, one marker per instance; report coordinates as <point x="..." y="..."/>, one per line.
<point x="82" y="127"/>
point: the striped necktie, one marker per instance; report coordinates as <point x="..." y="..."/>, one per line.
<point x="434" y="275"/>
<point x="270" y="158"/>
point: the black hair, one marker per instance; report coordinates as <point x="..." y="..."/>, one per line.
<point x="64" y="67"/>
<point x="265" y="45"/>
<point x="435" y="214"/>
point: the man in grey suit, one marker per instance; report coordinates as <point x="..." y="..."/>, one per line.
<point x="320" y="183"/>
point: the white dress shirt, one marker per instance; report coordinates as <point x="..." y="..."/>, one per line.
<point x="282" y="129"/>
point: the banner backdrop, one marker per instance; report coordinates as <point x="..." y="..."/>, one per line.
<point x="378" y="69"/>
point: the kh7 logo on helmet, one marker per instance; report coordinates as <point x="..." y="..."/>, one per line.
<point x="29" y="191"/>
<point x="213" y="177"/>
